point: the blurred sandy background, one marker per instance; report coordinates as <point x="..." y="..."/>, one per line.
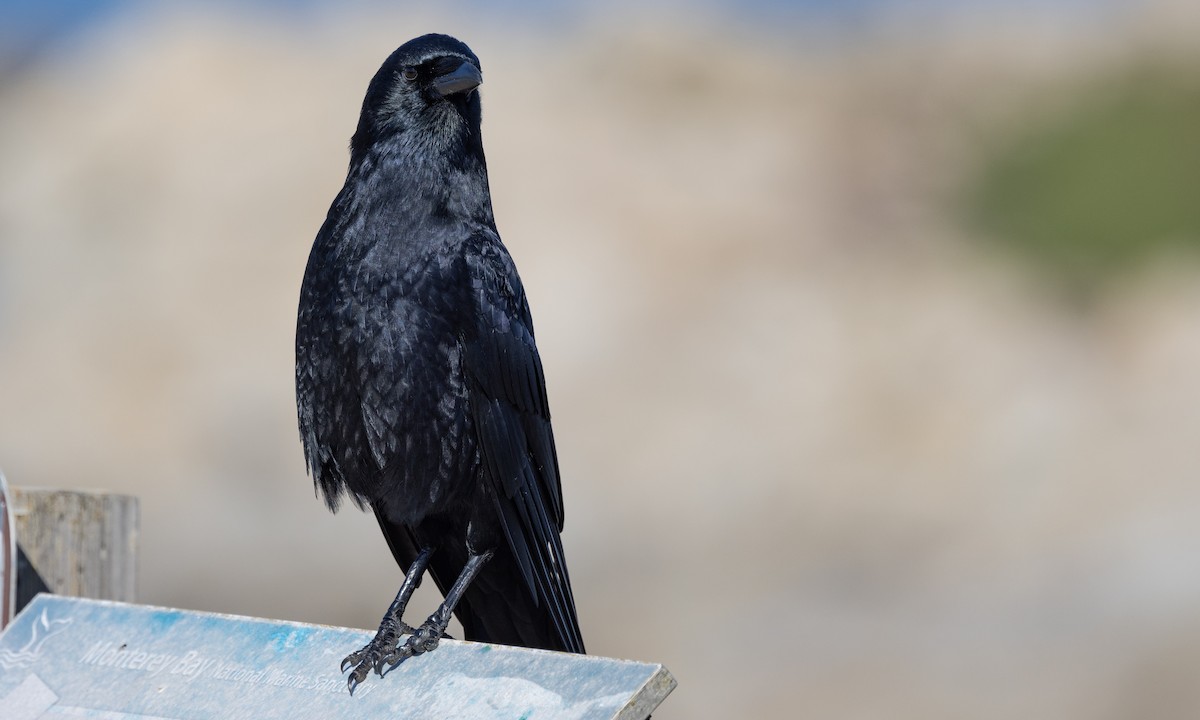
<point x="831" y="447"/>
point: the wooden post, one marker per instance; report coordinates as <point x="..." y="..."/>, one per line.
<point x="8" y="558"/>
<point x="83" y="544"/>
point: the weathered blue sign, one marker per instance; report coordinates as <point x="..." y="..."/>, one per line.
<point x="69" y="657"/>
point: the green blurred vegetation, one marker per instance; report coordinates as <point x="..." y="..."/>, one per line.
<point x="1093" y="191"/>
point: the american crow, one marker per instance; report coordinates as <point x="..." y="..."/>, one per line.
<point x="418" y="384"/>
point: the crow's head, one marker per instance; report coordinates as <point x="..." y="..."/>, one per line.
<point x="424" y="95"/>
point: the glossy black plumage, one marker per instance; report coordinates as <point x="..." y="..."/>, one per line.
<point x="419" y="387"/>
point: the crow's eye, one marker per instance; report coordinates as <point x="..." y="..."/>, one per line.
<point x="409" y="74"/>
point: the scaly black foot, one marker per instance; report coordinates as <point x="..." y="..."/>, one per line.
<point x="430" y="633"/>
<point x="420" y="640"/>
<point x="386" y="638"/>
<point x="372" y="655"/>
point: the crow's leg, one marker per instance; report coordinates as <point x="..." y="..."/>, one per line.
<point x="390" y="629"/>
<point x="426" y="637"/>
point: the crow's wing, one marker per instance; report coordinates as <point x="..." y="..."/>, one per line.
<point x="321" y="366"/>
<point x="512" y="425"/>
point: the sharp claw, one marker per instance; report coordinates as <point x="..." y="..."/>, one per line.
<point x="392" y="659"/>
<point x="357" y="676"/>
<point x="375" y="656"/>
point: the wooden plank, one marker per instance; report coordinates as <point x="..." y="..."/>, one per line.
<point x="83" y="544"/>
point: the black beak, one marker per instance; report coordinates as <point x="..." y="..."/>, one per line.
<point x="464" y="78"/>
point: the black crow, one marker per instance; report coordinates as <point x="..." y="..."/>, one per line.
<point x="418" y="384"/>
